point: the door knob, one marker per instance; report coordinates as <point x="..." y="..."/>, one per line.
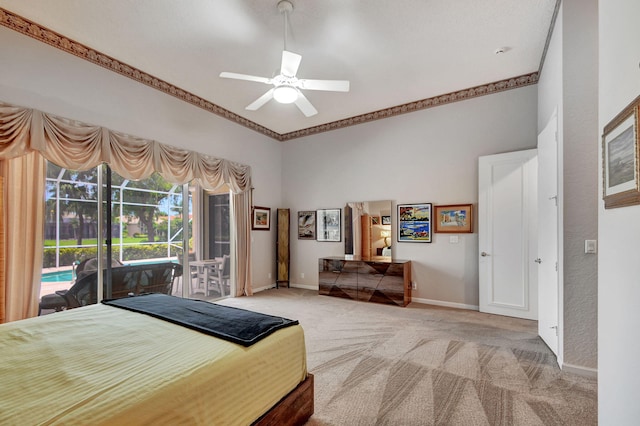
<point x="538" y="260"/>
<point x="484" y="254"/>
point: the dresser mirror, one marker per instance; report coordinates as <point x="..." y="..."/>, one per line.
<point x="368" y="228"/>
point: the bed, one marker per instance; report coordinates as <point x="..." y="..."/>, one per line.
<point x="102" y="364"/>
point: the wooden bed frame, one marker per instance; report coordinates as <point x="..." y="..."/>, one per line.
<point x="294" y="409"/>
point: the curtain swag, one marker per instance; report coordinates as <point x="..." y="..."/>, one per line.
<point x="78" y="146"/>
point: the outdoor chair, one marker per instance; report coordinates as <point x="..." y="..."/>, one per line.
<point x="219" y="280"/>
<point x="128" y="280"/>
<point x="55" y="301"/>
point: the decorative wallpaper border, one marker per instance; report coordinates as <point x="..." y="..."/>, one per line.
<point x="24" y="26"/>
<point x="45" y="35"/>
<point x="461" y="95"/>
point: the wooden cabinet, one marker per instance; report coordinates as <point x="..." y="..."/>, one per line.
<point x="365" y="234"/>
<point x="369" y="280"/>
<point x="282" y="247"/>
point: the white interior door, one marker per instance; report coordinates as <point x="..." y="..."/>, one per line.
<point x="507" y="234"/>
<point x="548" y="235"/>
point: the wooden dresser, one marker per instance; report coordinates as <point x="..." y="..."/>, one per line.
<point x="375" y="279"/>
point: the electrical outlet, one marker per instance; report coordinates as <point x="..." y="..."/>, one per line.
<point x="414" y="285"/>
<point x="302" y="275"/>
<point x="269" y="275"/>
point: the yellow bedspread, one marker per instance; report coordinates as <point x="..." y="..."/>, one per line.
<point x="104" y="365"/>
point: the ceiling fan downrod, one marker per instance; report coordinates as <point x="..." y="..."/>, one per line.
<point x="285" y="7"/>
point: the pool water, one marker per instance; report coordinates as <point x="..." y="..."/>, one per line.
<point x="51" y="277"/>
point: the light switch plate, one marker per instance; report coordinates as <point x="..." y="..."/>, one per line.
<point x="453" y="239"/>
<point x="590" y="246"/>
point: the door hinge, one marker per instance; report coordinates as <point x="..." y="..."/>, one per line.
<point x="556" y="266"/>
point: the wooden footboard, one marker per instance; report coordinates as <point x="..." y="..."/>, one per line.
<point x="294" y="409"/>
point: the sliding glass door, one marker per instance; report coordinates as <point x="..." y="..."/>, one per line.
<point x="146" y="220"/>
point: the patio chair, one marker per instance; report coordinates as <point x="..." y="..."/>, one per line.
<point x="55" y="301"/>
<point x="219" y="279"/>
<point x="127" y="280"/>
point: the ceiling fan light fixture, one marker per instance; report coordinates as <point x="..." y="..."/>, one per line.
<point x="285" y="94"/>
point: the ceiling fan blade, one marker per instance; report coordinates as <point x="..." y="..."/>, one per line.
<point x="261" y="100"/>
<point x="290" y="63"/>
<point x="305" y="106"/>
<point x="330" y="85"/>
<point x="245" y="77"/>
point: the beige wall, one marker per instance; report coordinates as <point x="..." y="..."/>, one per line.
<point x="580" y="183"/>
<point x="425" y="156"/>
<point x="568" y="85"/>
<point x="618" y="229"/>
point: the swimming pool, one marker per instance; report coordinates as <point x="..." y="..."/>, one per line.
<point x="50" y="277"/>
<point x="58" y="276"/>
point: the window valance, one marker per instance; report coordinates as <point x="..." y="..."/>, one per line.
<point x="79" y="146"/>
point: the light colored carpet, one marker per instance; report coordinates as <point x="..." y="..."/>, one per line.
<point x="426" y="365"/>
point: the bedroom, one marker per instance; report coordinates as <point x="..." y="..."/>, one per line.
<point x="294" y="173"/>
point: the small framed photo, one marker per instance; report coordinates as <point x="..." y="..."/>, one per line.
<point x="375" y="220"/>
<point x="328" y="225"/>
<point x="454" y="218"/>
<point x="307" y="225"/>
<point x="620" y="153"/>
<point x="261" y="218"/>
<point x="386" y="220"/>
<point x="414" y="223"/>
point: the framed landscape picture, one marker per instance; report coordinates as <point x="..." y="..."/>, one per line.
<point x="260" y="218"/>
<point x="328" y="225"/>
<point x="620" y="153"/>
<point x="307" y="225"/>
<point x="454" y="218"/>
<point x="386" y="220"/>
<point x="414" y="223"/>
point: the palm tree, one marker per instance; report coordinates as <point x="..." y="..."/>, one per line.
<point x="143" y="199"/>
<point x="77" y="198"/>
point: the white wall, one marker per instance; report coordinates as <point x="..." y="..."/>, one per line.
<point x="619" y="229"/>
<point x="424" y="156"/>
<point x="38" y="76"/>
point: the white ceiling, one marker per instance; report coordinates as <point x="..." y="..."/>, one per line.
<point x="392" y="52"/>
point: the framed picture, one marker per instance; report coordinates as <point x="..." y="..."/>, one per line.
<point x="328" y="225"/>
<point x="375" y="220"/>
<point x="454" y="218"/>
<point x="620" y="152"/>
<point x="386" y="220"/>
<point x="307" y="225"/>
<point x="414" y="223"/>
<point x="260" y="218"/>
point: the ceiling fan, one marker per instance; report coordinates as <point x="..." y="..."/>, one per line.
<point x="286" y="86"/>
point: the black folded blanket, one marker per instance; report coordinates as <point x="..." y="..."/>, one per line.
<point x="233" y="324"/>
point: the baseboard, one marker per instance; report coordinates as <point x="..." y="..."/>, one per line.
<point x="445" y="304"/>
<point x="413" y="299"/>
<point x="580" y="371"/>
<point x="267" y="287"/>
<point x="271" y="286"/>
<point x="305" y="286"/>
